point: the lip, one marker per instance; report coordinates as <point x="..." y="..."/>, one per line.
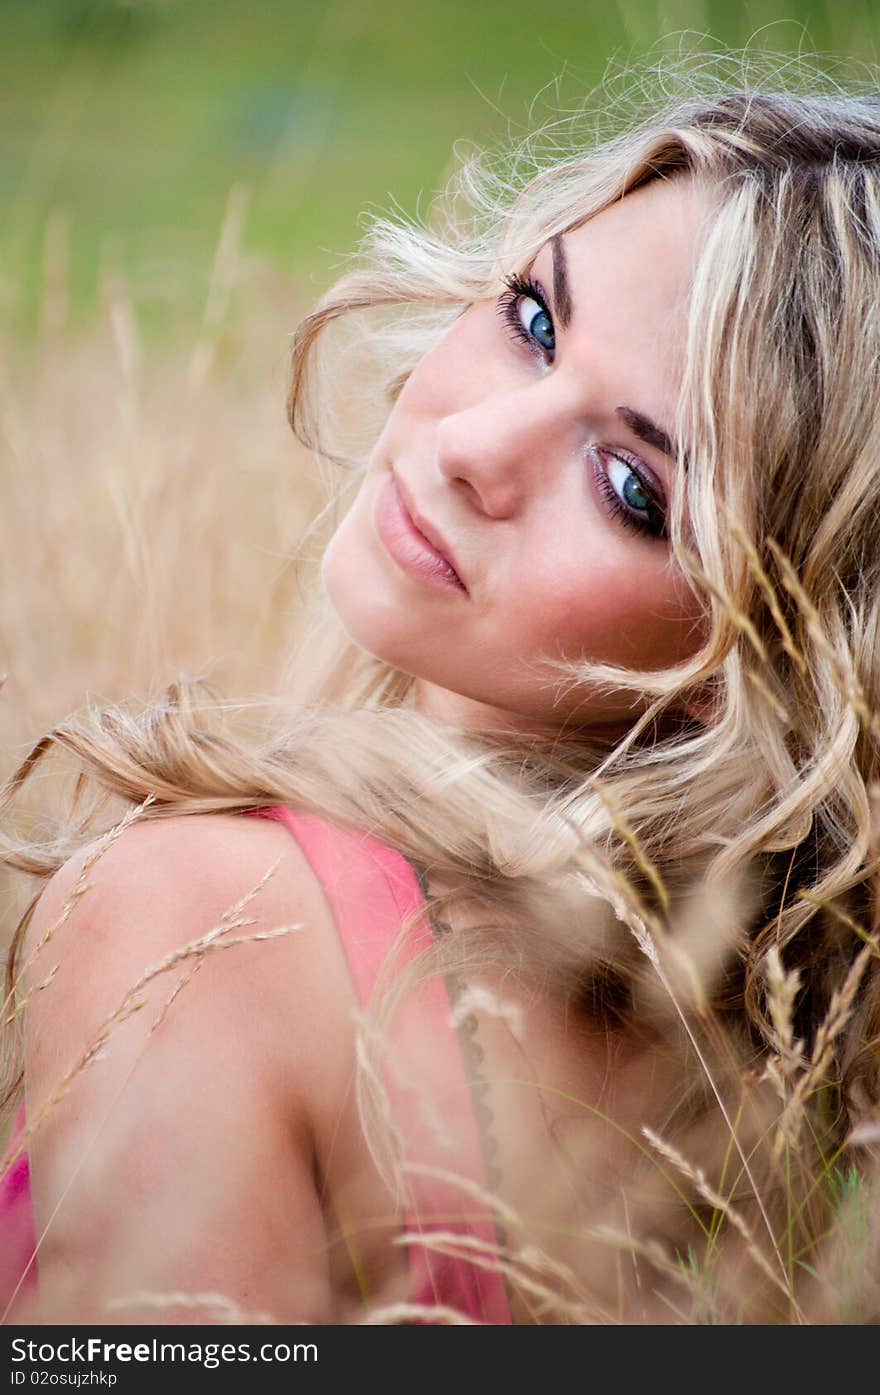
<point x="413" y="542"/>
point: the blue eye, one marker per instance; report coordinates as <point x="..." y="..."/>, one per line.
<point x="536" y="322"/>
<point x="629" y="486"/>
<point x="629" y="497"/>
<point x="524" y="310"/>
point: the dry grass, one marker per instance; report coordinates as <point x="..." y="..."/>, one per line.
<point x="153" y="498"/>
<point x="154" y="502"/>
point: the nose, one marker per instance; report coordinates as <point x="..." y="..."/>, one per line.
<point x="499" y="448"/>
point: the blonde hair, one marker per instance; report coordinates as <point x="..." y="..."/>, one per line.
<point x="779" y="404"/>
<point x="582" y="859"/>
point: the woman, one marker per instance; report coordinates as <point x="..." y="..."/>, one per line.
<point x="599" y="695"/>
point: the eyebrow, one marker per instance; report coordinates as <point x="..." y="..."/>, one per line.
<point x="561" y="292"/>
<point x="640" y="425"/>
<point x="649" y="432"/>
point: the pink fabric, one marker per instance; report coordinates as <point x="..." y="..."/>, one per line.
<point x="370" y="889"/>
<point x="18" y="1263"/>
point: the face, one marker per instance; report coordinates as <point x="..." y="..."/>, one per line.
<point x="513" y="507"/>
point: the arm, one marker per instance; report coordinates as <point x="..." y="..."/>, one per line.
<point x="182" y="1159"/>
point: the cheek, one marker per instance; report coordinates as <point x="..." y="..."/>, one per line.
<point x="336" y="568"/>
<point x="642" y="617"/>
<point x="349" y="577"/>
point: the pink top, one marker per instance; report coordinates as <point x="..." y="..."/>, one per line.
<point x="370" y="889"/>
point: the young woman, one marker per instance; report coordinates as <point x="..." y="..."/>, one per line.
<point x="541" y="983"/>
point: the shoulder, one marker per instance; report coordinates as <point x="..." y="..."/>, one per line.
<point x="196" y="861"/>
<point x="185" y="1044"/>
<point x="222" y="908"/>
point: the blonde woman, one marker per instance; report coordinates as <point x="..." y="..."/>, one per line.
<point x="542" y="984"/>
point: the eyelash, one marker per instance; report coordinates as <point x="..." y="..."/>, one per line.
<point x="523" y="287"/>
<point x="654" y="529"/>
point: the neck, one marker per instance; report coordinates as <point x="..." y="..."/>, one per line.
<point x="469" y="715"/>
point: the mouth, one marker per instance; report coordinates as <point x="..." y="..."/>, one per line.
<point x="413" y="542"/>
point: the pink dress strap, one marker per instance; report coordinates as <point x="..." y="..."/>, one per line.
<point x="371" y="889"/>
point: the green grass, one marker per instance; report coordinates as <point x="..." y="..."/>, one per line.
<point x="134" y="117"/>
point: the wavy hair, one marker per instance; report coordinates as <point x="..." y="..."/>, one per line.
<point x="583" y="859"/>
<point x="777" y="520"/>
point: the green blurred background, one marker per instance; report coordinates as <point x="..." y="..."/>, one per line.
<point x="130" y="120"/>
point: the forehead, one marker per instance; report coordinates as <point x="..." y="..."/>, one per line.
<point x="630" y="270"/>
<point x="651" y="235"/>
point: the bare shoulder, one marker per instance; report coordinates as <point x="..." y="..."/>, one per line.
<point x="222" y="909"/>
<point x="193" y="862"/>
<point x="187" y="1035"/>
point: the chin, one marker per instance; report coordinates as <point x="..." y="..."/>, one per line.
<point x="367" y="615"/>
